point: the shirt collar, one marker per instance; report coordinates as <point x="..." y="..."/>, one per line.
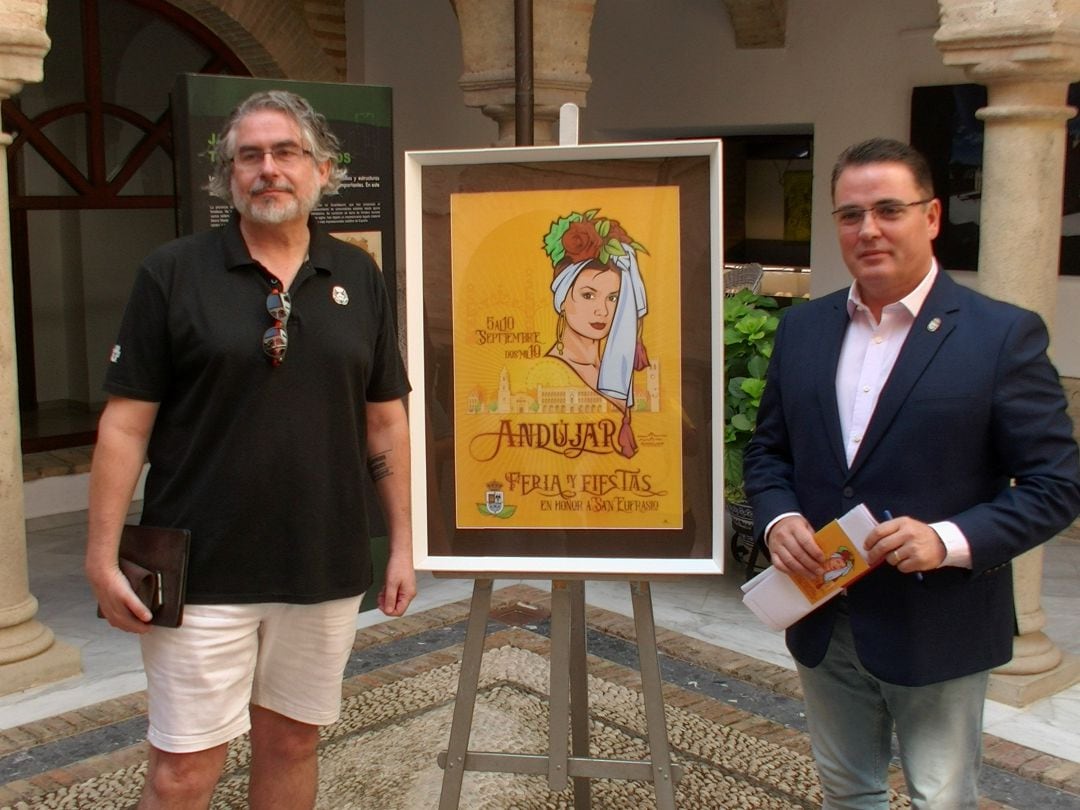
<point x="237" y="254"/>
<point x="320" y="248"/>
<point x="912" y="302"/>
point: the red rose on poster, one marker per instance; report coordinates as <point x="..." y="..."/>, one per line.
<point x="581" y="241"/>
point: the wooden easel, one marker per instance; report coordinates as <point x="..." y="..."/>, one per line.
<point x="569" y="705"/>
<point x="569" y="691"/>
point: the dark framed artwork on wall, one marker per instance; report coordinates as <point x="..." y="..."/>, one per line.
<point x="945" y="129"/>
<point x="798" y="192"/>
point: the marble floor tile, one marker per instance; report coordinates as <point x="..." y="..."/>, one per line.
<point x="706" y="608"/>
<point x="1049" y="725"/>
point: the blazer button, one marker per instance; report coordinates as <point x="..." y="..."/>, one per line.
<point x="848" y="492"/>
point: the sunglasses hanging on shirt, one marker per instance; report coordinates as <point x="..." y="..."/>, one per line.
<point x="275" y="341"/>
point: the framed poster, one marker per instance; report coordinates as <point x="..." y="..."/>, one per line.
<point x="565" y="349"/>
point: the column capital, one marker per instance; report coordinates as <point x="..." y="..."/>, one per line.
<point x="560" y="53"/>
<point x="23" y="44"/>
<point x="1011" y="40"/>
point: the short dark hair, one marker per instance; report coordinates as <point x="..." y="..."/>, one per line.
<point x="319" y="139"/>
<point x="885" y="150"/>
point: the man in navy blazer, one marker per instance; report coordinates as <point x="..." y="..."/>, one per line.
<point x="938" y="408"/>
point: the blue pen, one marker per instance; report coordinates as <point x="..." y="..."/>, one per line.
<point x="888" y="516"/>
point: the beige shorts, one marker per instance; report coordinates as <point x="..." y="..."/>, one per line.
<point x="203" y="676"/>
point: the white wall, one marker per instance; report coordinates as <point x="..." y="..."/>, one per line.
<point x="847" y="70"/>
<point x="669" y="69"/>
<point x="414" y="48"/>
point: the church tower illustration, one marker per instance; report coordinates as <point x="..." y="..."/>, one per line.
<point x="504" y="391"/>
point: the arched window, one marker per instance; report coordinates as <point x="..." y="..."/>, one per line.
<point x="91" y="192"/>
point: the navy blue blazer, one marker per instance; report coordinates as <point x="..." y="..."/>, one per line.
<point x="971" y="427"/>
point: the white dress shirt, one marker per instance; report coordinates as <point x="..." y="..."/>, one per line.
<point x="867" y="357"/>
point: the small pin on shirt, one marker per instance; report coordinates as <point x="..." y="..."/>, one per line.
<point x="934" y="324"/>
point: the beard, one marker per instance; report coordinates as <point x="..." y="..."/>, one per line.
<point x="271" y="210"/>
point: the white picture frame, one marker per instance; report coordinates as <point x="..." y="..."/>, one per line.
<point x="431" y="178"/>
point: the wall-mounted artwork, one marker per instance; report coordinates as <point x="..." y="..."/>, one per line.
<point x="945" y="129"/>
<point x="565" y="358"/>
<point x="798" y="189"/>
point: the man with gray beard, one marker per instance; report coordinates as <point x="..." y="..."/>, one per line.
<point x="257" y="370"/>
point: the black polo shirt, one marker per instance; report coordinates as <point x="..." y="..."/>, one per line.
<point x="264" y="464"/>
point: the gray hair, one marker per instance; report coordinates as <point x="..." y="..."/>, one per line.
<point x="322" y="143"/>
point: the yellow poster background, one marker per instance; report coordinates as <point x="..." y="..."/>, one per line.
<point x="534" y="445"/>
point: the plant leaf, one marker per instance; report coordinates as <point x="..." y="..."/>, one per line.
<point x="757" y="366"/>
<point x="740" y="422"/>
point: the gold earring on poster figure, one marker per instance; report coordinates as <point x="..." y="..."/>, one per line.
<point x="559" y="327"/>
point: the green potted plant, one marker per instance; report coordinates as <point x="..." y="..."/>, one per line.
<point x="750" y="323"/>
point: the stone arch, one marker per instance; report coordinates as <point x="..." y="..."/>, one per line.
<point x="271" y="37"/>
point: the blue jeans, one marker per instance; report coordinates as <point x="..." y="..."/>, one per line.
<point x="852" y="716"/>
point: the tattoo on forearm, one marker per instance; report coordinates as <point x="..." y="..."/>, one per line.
<point x="379" y="466"/>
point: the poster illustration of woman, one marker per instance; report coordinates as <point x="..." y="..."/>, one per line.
<point x="599" y="296"/>
<point x="561" y="418"/>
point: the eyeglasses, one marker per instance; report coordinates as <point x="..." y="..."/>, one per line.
<point x="850" y="216"/>
<point x="285" y="156"/>
<point x="275" y="340"/>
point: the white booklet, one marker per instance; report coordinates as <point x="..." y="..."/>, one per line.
<point x="780" y="600"/>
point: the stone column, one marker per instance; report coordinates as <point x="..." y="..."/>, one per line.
<point x="560" y="52"/>
<point x="1026" y="52"/>
<point x="29" y="654"/>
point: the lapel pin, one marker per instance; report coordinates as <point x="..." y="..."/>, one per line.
<point x="934" y="324"/>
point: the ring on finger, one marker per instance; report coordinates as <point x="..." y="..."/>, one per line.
<point x="895" y="557"/>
